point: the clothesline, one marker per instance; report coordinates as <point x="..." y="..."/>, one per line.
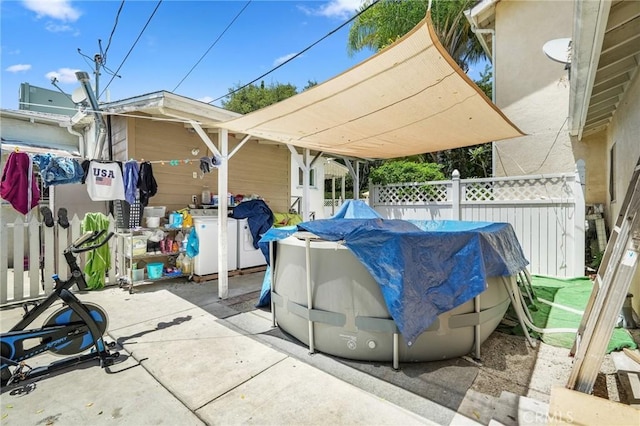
<point x="9" y="147"/>
<point x="172" y="162"/>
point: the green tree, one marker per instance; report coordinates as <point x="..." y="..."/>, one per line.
<point x="485" y="82"/>
<point x="250" y="98"/>
<point x="389" y="20"/>
<point x="400" y="171"/>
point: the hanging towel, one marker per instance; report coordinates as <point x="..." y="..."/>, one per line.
<point x="19" y="186"/>
<point x="58" y="170"/>
<point x="105" y="181"/>
<point x="131" y="175"/>
<point x="98" y="260"/>
<point x="146" y="183"/>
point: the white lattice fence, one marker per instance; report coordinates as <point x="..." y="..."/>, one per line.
<point x="525" y="188"/>
<point x="546" y="212"/>
<point x="37" y="255"/>
<point x="411" y="193"/>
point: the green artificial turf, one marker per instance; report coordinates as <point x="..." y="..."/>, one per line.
<point x="569" y="292"/>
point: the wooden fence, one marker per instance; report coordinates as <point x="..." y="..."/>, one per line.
<point x="547" y="212"/>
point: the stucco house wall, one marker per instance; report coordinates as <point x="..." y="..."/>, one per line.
<point x="624" y="132"/>
<point x="531" y="89"/>
<point x="316" y="191"/>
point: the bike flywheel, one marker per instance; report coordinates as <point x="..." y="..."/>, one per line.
<point x="81" y="341"/>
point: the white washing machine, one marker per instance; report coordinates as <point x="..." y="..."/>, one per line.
<point x="206" y="262"/>
<point x="248" y="256"/>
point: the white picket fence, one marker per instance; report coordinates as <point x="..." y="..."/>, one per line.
<point x="35" y="244"/>
<point x="547" y="212"/>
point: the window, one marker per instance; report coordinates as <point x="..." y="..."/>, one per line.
<point x="312" y="177"/>
<point x="612" y="174"/>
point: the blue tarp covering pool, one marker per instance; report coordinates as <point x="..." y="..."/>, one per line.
<point x="424" y="268"/>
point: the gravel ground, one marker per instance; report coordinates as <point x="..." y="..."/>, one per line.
<point x="509" y="363"/>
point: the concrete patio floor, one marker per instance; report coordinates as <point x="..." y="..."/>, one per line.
<point x="188" y="357"/>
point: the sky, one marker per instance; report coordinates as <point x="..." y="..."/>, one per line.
<point x="198" y="49"/>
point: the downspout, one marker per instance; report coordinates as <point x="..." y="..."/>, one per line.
<point x="80" y="139"/>
<point x="477" y="30"/>
<point x="110" y="149"/>
<point x="84" y="80"/>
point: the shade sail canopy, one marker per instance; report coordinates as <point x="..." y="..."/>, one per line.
<point x="408" y="99"/>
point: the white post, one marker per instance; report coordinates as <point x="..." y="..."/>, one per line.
<point x="455" y="195"/>
<point x="356" y="184"/>
<point x="270" y="270"/>
<point x="223" y="203"/>
<point x="306" y="178"/>
<point x="309" y="293"/>
<point x="579" y="222"/>
<point x="333" y="195"/>
<point x="344" y="190"/>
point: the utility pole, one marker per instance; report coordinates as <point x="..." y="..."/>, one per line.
<point x="97" y="59"/>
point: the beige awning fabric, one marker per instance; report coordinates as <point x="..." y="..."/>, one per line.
<point x="333" y="169"/>
<point x="410" y="98"/>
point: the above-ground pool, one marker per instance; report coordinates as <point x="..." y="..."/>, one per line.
<point x="325" y="294"/>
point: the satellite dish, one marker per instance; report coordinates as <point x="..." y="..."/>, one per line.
<point x="558" y="50"/>
<point x="78" y="96"/>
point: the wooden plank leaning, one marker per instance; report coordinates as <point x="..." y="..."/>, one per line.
<point x="609" y="291"/>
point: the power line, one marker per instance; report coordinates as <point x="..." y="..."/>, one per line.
<point x="113" y="30"/>
<point x="299" y="53"/>
<point x="210" y="47"/>
<point x="131" y="49"/>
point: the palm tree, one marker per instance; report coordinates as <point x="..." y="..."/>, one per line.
<point x="389" y="20"/>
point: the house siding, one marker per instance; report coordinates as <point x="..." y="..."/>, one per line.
<point x="531" y="89"/>
<point x="261" y="169"/>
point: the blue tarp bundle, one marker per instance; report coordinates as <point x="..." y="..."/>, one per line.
<point x="424" y="268"/>
<point x="356" y="209"/>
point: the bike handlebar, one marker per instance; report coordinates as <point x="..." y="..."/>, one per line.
<point x="88" y="237"/>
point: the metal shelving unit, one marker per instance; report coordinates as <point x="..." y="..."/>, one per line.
<point x="125" y="259"/>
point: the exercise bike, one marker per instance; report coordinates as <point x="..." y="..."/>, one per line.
<point x="74" y="328"/>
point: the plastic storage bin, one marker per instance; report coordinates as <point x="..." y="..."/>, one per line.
<point x="139" y="245"/>
<point x="154" y="270"/>
<point x="155" y="211"/>
<point x="138" y="275"/>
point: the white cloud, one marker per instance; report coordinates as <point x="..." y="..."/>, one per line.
<point x="334" y="9"/>
<point x="56" y="9"/>
<point x="63" y="75"/>
<point x="284" y="58"/>
<point x="206" y="99"/>
<point x="57" y="28"/>
<point x="9" y="52"/>
<point x="18" y="68"/>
